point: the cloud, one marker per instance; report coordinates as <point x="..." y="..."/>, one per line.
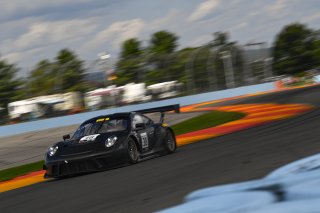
<point x="276" y="8"/>
<point x="20" y="56"/>
<point x="173" y="18"/>
<point x="46" y="33"/>
<point x="201" y="40"/>
<point x="37" y="29"/>
<point x="12" y="7"/>
<point x="278" y="5"/>
<point x="115" y="34"/>
<point x="312" y="17"/>
<point x="204" y="9"/>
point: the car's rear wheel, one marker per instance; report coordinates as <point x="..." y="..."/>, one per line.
<point x="133" y="153"/>
<point x="169" y="142"/>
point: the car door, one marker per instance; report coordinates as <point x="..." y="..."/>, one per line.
<point x="146" y="134"/>
<point x="150" y="130"/>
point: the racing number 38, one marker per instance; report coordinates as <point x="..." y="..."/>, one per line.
<point x="144" y="140"/>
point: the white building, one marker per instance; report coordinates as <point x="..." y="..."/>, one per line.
<point x="43" y="105"/>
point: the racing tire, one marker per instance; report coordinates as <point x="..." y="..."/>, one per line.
<point x="169" y="142"/>
<point x="133" y="153"/>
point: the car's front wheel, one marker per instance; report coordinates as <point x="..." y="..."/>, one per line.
<point x="169" y="142"/>
<point x="133" y="153"/>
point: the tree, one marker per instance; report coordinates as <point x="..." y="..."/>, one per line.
<point x="42" y="79"/>
<point x="9" y="84"/>
<point x="65" y="74"/>
<point x="161" y="50"/>
<point x="131" y="47"/>
<point x="295" y="49"/>
<point x="163" y="42"/>
<point x="220" y="38"/>
<point x="129" y="67"/>
<point x="69" y="72"/>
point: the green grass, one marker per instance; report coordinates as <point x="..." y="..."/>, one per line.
<point x="8" y="174"/>
<point x="206" y="120"/>
<point x="203" y="121"/>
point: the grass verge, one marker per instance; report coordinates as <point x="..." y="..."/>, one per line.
<point x="210" y="119"/>
<point x="8" y="174"/>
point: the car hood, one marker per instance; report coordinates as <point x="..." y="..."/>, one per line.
<point x="87" y="144"/>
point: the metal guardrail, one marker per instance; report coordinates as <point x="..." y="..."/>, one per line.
<point x="32" y="126"/>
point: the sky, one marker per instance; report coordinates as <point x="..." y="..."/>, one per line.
<point x="33" y="30"/>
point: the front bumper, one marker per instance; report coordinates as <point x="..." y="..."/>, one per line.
<point x="83" y="164"/>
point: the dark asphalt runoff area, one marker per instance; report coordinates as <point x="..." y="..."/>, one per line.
<point x="163" y="182"/>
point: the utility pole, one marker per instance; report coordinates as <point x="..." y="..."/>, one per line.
<point x="212" y="75"/>
<point x="189" y="70"/>
<point x="104" y="57"/>
<point x="228" y="68"/>
<point x="267" y="68"/>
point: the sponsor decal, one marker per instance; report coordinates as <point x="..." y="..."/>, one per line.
<point x="88" y="138"/>
<point x="102" y="119"/>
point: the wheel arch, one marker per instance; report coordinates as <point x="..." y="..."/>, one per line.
<point x="172" y="132"/>
<point x="135" y="139"/>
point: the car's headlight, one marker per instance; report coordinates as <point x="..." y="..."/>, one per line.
<point x="110" y="141"/>
<point x="52" y="150"/>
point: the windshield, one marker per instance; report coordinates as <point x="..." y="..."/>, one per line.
<point x="102" y="125"/>
<point x="86" y="129"/>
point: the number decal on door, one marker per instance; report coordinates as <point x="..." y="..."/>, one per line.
<point x="144" y="140"/>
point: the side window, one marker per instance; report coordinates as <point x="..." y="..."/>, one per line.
<point x="147" y="121"/>
<point x="137" y="119"/>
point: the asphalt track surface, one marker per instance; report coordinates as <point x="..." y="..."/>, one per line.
<point x="163" y="182"/>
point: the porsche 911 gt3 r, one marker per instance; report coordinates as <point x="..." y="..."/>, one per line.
<point x="110" y="140"/>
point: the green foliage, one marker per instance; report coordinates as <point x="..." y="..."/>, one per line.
<point x="296" y="49"/>
<point x="129" y="70"/>
<point x="65" y="74"/>
<point x="160" y="57"/>
<point x="9" y="84"/>
<point x="130" y="48"/>
<point x="220" y="38"/>
<point x="206" y="120"/>
<point x="177" y="63"/>
<point x="129" y="67"/>
<point x="163" y="42"/>
<point x="41" y="80"/>
<point x="69" y="71"/>
<point x="199" y="68"/>
<point x="155" y="76"/>
<point x="160" y="61"/>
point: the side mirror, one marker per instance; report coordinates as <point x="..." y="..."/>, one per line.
<point x="140" y="126"/>
<point x="66" y="137"/>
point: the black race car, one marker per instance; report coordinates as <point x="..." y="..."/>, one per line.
<point x="108" y="141"/>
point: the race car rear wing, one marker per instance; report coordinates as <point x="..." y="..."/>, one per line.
<point x="162" y="110"/>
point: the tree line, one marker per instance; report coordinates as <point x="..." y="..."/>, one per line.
<point x="296" y="48"/>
